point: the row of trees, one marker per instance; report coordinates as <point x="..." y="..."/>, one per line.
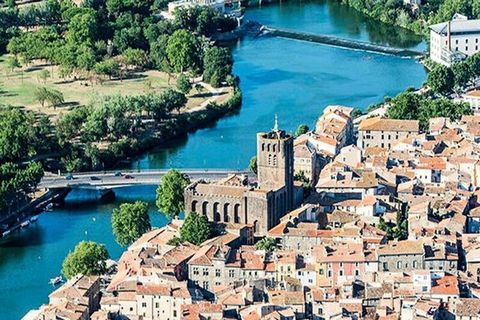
<point x="412" y="106"/>
<point x="107" y="38"/>
<point x="396" y="12"/>
<point x="444" y="80"/>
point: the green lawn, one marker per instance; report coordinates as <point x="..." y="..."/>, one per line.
<point x="18" y="87"/>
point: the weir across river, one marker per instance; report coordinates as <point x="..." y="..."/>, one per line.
<point x="338" y="42"/>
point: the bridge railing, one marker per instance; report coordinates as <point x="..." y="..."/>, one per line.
<point x="150" y="171"/>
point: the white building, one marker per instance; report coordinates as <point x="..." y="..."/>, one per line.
<point x="218" y="5"/>
<point x="454" y="40"/>
<point x="473" y="99"/>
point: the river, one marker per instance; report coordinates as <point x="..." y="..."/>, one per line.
<point x="293" y="79"/>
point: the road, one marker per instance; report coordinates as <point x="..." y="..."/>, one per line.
<point x="110" y="179"/>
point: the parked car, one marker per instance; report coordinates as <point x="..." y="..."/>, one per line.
<point x="69" y="176"/>
<point x="93" y="178"/>
<point x="118" y="174"/>
<point x="129" y="176"/>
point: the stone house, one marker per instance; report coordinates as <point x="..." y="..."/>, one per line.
<point x="403" y="255"/>
<point x="380" y="132"/>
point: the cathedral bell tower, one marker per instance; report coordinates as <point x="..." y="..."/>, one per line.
<point x="275" y="161"/>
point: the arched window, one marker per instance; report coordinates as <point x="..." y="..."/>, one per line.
<point x="236" y="213"/>
<point x="274" y="159"/>
<point x="399" y="264"/>
<point x="269" y="159"/>
<point x="225" y="212"/>
<point x="205" y="208"/>
<point x="268" y="147"/>
<point x="274" y="148"/>
<point x="194" y="206"/>
<point x="216" y="213"/>
<point x="263" y="146"/>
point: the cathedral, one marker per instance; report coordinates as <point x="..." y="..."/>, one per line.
<point x="260" y="204"/>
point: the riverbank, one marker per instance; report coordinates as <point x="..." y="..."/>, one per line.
<point x="177" y="127"/>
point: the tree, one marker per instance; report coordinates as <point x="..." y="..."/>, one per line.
<point x="441" y="79"/>
<point x="253" y="164"/>
<point x="405" y="106"/>
<point x="134" y="57"/>
<point x="195" y="228"/>
<point x="462" y="74"/>
<point x="173" y="100"/>
<point x="170" y="193"/>
<point x="41" y="95"/>
<point x="44" y="75"/>
<point x="217" y="65"/>
<point x="183" y="84"/>
<point x="267" y="244"/>
<point x="17" y="135"/>
<point x="301" y="129"/>
<point x="13" y="63"/>
<point x="130" y="221"/>
<point x="183" y="51"/>
<point x="10" y="4"/>
<point x="55" y="98"/>
<point x="82" y="29"/>
<point x="88" y="258"/>
<point x="356" y="113"/>
<point x="108" y="67"/>
<point x="158" y="51"/>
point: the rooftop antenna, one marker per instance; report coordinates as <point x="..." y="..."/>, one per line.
<point x="275" y="127"/>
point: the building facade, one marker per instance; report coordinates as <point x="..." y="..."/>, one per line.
<point x="235" y="200"/>
<point x="454" y="40"/>
<point x="379" y="132"/>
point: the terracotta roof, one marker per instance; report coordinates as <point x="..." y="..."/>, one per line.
<point x="401" y="247"/>
<point x="468" y="307"/>
<point x="448" y="285"/>
<point x="382" y="124"/>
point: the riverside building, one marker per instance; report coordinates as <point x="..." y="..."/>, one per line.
<point x="454" y="40"/>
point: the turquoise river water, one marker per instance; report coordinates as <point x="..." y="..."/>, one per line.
<point x="293" y="79"/>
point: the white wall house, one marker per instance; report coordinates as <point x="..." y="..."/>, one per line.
<point x="454" y="40"/>
<point x="473" y="99"/>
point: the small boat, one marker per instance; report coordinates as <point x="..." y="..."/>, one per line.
<point x="6" y="233"/>
<point x="25" y="224"/>
<point x="34" y="219"/>
<point x="56" y="280"/>
<point x="49" y="207"/>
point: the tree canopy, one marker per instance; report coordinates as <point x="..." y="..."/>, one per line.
<point x="301" y="129"/>
<point x="441" y="79"/>
<point x="267" y="244"/>
<point x="88" y="258"/>
<point x="130" y="221"/>
<point x="195" y="228"/>
<point x="183" y="51"/>
<point x="170" y="193"/>
<point x="413" y="106"/>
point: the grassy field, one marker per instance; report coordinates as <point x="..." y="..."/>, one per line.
<point x="18" y="88"/>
